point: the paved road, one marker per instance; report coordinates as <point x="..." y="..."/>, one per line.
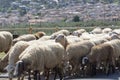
<point x="115" y="76"/>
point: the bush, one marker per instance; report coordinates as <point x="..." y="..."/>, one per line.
<point x="76" y="18"/>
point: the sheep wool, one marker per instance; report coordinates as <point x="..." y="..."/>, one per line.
<point x="80" y="49"/>
<point x="40" y="56"/>
<point x="5" y="41"/>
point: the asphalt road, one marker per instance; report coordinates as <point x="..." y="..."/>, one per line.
<point x="115" y="76"/>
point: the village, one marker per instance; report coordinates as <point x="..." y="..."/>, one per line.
<point x="85" y="11"/>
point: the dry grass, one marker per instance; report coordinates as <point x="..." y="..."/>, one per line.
<point x="2" y="54"/>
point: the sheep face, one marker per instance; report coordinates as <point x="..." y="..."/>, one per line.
<point x="61" y="39"/>
<point x="20" y="68"/>
<point x="85" y="60"/>
<point x="10" y="70"/>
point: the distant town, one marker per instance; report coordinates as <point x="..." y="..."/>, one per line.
<point x="27" y="11"/>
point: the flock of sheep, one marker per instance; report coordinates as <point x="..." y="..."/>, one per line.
<point x="63" y="53"/>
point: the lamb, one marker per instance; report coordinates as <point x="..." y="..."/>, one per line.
<point x="29" y="37"/>
<point x="39" y="57"/>
<point x="5" y="41"/>
<point x="65" y="32"/>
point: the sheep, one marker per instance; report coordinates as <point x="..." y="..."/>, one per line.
<point x="17" y="50"/>
<point x="78" y="32"/>
<point x="3" y="63"/>
<point x="45" y="38"/>
<point x="86" y="36"/>
<point x="40" y="57"/>
<point x="5" y="41"/>
<point x="98" y="41"/>
<point x="76" y="51"/>
<point x="99" y="54"/>
<point x="62" y="40"/>
<point x="29" y="37"/>
<point x="39" y="34"/>
<point x="107" y="52"/>
<point x="66" y="40"/>
<point x="116" y="45"/>
<point x="97" y="30"/>
<point x="116" y="31"/>
<point x="13" y="54"/>
<point x="106" y="30"/>
<point x="65" y="32"/>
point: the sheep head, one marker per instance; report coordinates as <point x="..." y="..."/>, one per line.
<point x="20" y="68"/>
<point x="39" y="34"/>
<point x="62" y="40"/>
<point x="10" y="69"/>
<point x="85" y="60"/>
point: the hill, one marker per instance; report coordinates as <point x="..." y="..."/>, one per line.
<point x="7" y="5"/>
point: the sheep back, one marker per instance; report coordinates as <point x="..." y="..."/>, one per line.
<point x="80" y="49"/>
<point x="99" y="53"/>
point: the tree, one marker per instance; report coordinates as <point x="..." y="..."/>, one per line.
<point x="76" y="18"/>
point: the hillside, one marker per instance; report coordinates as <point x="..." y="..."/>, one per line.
<point x="7" y="5"/>
<point x="15" y="12"/>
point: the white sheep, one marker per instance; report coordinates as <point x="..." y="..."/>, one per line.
<point x="39" y="57"/>
<point x="66" y="40"/>
<point x="29" y="37"/>
<point x="97" y="30"/>
<point x="5" y="41"/>
<point x="17" y="50"/>
<point x="65" y="32"/>
<point x="13" y="54"/>
<point x="106" y="30"/>
<point x="78" y="32"/>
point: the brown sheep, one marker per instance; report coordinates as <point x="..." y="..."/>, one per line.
<point x="76" y="51"/>
<point x="102" y="53"/>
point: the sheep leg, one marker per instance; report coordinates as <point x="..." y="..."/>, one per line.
<point x="55" y="73"/>
<point x="58" y="70"/>
<point x="22" y="77"/>
<point x="38" y="76"/>
<point x="93" y="69"/>
<point x="113" y="68"/>
<point x="35" y="74"/>
<point x="46" y="74"/>
<point x="29" y="72"/>
<point x="107" y="69"/>
<point x="60" y="74"/>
